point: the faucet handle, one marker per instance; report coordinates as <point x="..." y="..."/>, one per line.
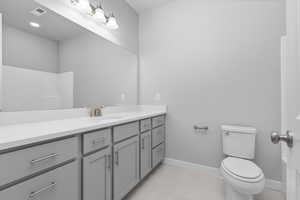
<point x="96" y="110"/>
<point x="92" y="111"/>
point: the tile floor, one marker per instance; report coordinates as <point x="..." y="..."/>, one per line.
<point x="170" y="182"/>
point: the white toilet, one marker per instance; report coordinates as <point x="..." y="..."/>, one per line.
<point x="243" y="178"/>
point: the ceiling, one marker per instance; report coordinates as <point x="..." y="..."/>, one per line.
<point x="142" y="5"/>
<point x="16" y="13"/>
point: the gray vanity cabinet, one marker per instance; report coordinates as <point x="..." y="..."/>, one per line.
<point x="145" y="145"/>
<point x="126" y="167"/>
<point x="97" y="176"/>
<point x="105" y="164"/>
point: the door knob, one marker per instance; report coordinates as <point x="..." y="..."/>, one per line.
<point x="288" y="138"/>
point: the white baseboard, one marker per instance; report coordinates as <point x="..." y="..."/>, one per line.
<point x="273" y="185"/>
<point x="270" y="184"/>
<point x="180" y="163"/>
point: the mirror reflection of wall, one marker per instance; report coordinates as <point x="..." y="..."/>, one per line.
<point x="104" y="73"/>
<point x="52" y="63"/>
<point x="28" y="50"/>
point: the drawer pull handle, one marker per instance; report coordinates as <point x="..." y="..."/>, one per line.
<point x="50" y="156"/>
<point x="109" y="162"/>
<point x="143" y="143"/>
<point x="100" y="141"/>
<point x="44" y="189"/>
<point x="117" y="158"/>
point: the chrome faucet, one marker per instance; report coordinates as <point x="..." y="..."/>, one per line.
<point x="96" y="111"/>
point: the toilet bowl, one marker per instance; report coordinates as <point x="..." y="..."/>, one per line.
<point x="242" y="177"/>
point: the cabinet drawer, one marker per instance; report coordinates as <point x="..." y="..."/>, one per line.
<point x="158" y="154"/>
<point x="21" y="163"/>
<point x="145" y="125"/>
<point x="61" y="183"/>
<point x="96" y="140"/>
<point x="125" y="131"/>
<point x="158" y="135"/>
<point x="157" y="121"/>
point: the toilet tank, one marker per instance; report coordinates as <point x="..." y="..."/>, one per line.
<point x="239" y="141"/>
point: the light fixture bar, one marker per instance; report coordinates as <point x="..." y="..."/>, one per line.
<point x="97" y="12"/>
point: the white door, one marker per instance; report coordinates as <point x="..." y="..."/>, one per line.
<point x="291" y="100"/>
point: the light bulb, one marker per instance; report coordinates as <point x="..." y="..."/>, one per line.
<point x="34" y="24"/>
<point x="112" y="23"/>
<point x="83" y="6"/>
<point x="100" y="15"/>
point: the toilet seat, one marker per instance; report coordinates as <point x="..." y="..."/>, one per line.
<point x="243" y="170"/>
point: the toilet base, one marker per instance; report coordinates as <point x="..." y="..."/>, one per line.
<point x="231" y="194"/>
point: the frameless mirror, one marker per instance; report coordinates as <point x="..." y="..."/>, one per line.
<point x="52" y="63"/>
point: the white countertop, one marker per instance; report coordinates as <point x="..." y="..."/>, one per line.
<point x="16" y="135"/>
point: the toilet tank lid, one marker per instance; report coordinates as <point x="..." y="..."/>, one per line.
<point x="239" y="129"/>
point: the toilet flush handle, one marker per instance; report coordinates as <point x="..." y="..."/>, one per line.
<point x="288" y="138"/>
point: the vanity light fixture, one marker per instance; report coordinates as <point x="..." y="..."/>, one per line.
<point x="112" y="22"/>
<point x="34" y="25"/>
<point x="97" y="13"/>
<point x="82" y="5"/>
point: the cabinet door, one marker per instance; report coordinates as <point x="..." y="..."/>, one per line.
<point x="145" y="153"/>
<point x="97" y="176"/>
<point x="126" y="167"/>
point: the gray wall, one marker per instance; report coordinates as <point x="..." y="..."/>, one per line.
<point x="102" y="71"/>
<point x="25" y="50"/>
<point x="213" y="63"/>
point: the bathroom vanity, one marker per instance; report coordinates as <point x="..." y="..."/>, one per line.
<point x="81" y="158"/>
